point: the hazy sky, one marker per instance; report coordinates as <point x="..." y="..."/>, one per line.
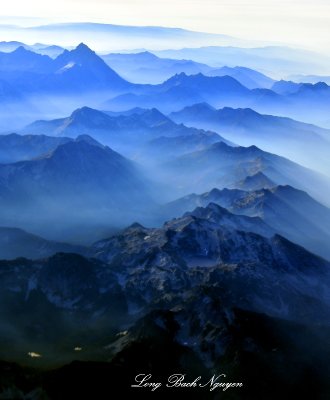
<point x="302" y="22"/>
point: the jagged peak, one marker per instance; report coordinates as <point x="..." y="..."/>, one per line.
<point x="88" y="139"/>
<point x="86" y="111"/>
<point x="83" y="47"/>
<point x="204" y="212"/>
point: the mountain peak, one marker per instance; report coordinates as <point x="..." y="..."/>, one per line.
<point x="203" y="106"/>
<point x="205" y="212"/>
<point x="92" y="70"/>
<point x="229" y="111"/>
<point x="81" y="54"/>
<point x="147" y="55"/>
<point x="88" y="139"/>
<point x="84" y="111"/>
<point x="257" y="181"/>
<point x="314" y="87"/>
<point x="83" y="47"/>
<point x="21" y="50"/>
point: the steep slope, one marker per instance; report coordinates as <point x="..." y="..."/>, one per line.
<point x="246" y="76"/>
<point x="291" y="212"/>
<point x="14" y="147"/>
<point x="286" y="87"/>
<point x="165" y="148"/>
<point x="255" y="182"/>
<point x="204" y="287"/>
<point x="82" y="69"/>
<point x="212" y="237"/>
<point x="25" y="61"/>
<point x="304" y="143"/>
<point x="145" y="67"/>
<point x="184" y="90"/>
<point x="80" y="182"/>
<point x="127" y="132"/>
<point x="73" y="72"/>
<point x="16" y="243"/>
<point x="222" y="166"/>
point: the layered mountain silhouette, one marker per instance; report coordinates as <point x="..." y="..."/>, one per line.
<point x="176" y="221"/>
<point x="183" y="90"/>
<point x="304" y="143"/>
<point x="19" y="243"/>
<point x="287" y="60"/>
<point x="128" y="131"/>
<point x="146" y="67"/>
<point x="80" y="182"/>
<point x="24" y="60"/>
<point x="14" y="147"/>
<point x="246" y="76"/>
<point x="40" y="48"/>
<point x="222" y="166"/>
<point x="79" y="70"/>
<point x="255" y="182"/>
<point x="290" y="212"/>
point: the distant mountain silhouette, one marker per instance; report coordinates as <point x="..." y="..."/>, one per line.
<point x="305" y="143"/>
<point x="138" y="131"/>
<point x="16" y="243"/>
<point x="81" y="182"/>
<point x="246" y="76"/>
<point x="222" y="166"/>
<point x="15" y="147"/>
<point x="291" y="212"/>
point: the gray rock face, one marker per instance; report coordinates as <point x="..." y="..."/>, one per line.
<point x="197" y="271"/>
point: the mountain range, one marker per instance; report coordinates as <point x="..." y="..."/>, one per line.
<point x="44" y="49"/>
<point x="110" y="37"/>
<point x="35" y="85"/>
<point x="177" y="220"/>
<point x="288" y="60"/>
<point x="290" y="212"/>
<point x="311" y="78"/>
<point x="16" y="242"/>
<point x="183" y="90"/>
<point x="146" y="67"/>
<point x="135" y="133"/>
<point x="224" y="166"/>
<point x="14" y="147"/>
<point x="199" y="286"/>
<point x="78" y="69"/>
<point x="79" y="183"/>
<point x="304" y="143"/>
<point x="84" y="78"/>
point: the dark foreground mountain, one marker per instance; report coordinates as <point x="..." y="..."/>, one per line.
<point x="202" y="295"/>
